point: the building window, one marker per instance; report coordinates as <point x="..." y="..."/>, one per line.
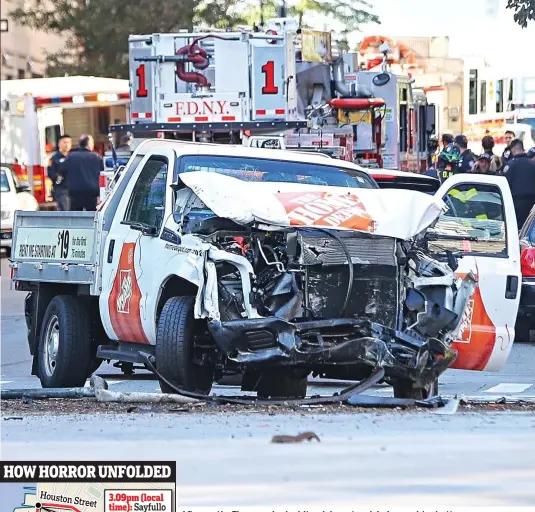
<point x="21" y="73"/>
<point x="483" y="94"/>
<point x="499" y="96"/>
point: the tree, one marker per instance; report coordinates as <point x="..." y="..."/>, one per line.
<point x="351" y="14"/>
<point x="97" y="30"/>
<point x="524" y="11"/>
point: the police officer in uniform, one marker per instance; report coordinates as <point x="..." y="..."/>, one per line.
<point x="60" y="192"/>
<point x="521" y="177"/>
<point x="468" y="158"/>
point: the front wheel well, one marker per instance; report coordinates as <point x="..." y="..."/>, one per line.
<point x="175" y="286"/>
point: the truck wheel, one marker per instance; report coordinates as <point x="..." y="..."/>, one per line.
<point x="282" y="385"/>
<point x="404" y="388"/>
<point x="175" y="348"/>
<point x="64" y="353"/>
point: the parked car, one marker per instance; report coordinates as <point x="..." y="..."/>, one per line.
<point x="525" y="324"/>
<point x="15" y="196"/>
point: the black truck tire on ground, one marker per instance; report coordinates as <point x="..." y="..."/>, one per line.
<point x="64" y="353"/>
<point x="404" y="388"/>
<point x="175" y="339"/>
<point x="524" y="326"/>
<point x="282" y="385"/>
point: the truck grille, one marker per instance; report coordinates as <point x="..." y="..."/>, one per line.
<point x="364" y="251"/>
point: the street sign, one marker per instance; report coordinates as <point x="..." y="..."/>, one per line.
<point x="4" y="25"/>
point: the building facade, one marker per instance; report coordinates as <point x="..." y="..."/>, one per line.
<point x="23" y="50"/>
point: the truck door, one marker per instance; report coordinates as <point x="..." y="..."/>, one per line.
<point x="480" y="224"/>
<point x="133" y="252"/>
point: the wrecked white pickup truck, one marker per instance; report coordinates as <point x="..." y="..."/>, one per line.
<point x="210" y="259"/>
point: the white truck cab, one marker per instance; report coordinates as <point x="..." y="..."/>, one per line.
<point x="207" y="258"/>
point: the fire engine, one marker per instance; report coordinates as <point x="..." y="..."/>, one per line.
<point x="495" y="102"/>
<point x="35" y="112"/>
<point x="236" y="86"/>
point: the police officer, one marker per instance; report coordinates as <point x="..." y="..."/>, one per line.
<point x="82" y="170"/>
<point x="468" y="158"/>
<point x="521" y="177"/>
<point x="483" y="165"/>
<point x="60" y="192"/>
<point x="507" y="155"/>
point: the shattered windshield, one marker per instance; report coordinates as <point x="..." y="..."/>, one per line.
<point x="258" y="169"/>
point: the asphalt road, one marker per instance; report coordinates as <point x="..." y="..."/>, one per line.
<point x="225" y="459"/>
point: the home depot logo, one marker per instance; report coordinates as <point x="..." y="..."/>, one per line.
<point x="125" y="291"/>
<point x="465" y="332"/>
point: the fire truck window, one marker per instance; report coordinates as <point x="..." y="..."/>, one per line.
<point x="499" y="96"/>
<point x="483" y="107"/>
<point x="472" y="92"/>
<point x="403" y="128"/>
<point x="52" y="135"/>
<point x="103" y="116"/>
<point x="474" y="210"/>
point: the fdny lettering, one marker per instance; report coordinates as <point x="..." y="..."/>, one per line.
<point x="202" y="108"/>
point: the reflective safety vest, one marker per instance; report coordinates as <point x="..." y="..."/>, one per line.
<point x="464" y="197"/>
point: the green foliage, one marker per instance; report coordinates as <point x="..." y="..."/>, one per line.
<point x="97" y="30"/>
<point x="524" y="11"/>
<point x="350" y="13"/>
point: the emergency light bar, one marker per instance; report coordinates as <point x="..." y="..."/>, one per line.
<point x="100" y="97"/>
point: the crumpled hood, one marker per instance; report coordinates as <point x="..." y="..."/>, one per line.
<point x="393" y="213"/>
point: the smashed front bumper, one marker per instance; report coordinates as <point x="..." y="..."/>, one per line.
<point x="276" y="342"/>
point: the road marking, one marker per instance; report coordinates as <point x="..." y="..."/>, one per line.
<point x="509" y="388"/>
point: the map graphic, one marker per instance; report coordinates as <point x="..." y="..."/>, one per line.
<point x="75" y="497"/>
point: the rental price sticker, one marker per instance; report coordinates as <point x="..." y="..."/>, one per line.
<point x="138" y="500"/>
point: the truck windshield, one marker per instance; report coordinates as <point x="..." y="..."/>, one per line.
<point x="259" y="169"/>
<point x="5" y="182"/>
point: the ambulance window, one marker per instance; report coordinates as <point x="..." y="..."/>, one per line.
<point x="472" y="92"/>
<point x="483" y="107"/>
<point x="511" y="91"/>
<point x="52" y="135"/>
<point x="499" y="96"/>
<point x="476" y="212"/>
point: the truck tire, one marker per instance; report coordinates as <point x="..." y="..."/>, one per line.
<point x="404" y="388"/>
<point x="64" y="353"/>
<point x="175" y="345"/>
<point x="282" y="385"/>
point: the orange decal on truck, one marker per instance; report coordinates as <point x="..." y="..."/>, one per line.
<point x="326" y="210"/>
<point x="124" y="299"/>
<point x="478" y="335"/>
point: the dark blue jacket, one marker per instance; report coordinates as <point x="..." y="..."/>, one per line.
<point x="55" y="171"/>
<point x="521" y="176"/>
<point x="82" y="170"/>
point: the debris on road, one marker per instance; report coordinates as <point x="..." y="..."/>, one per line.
<point x="305" y="436"/>
<point x="103" y="395"/>
<point x="25" y="394"/>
